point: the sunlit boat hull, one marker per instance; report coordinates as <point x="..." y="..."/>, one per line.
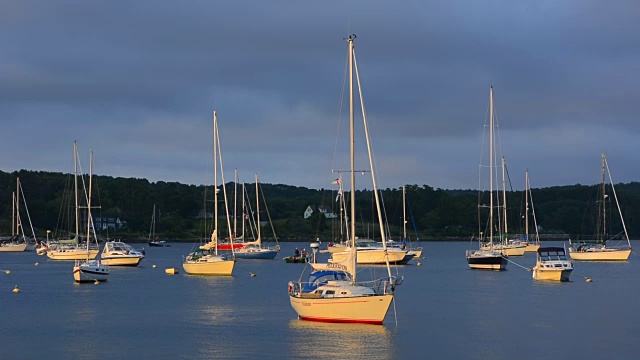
<point x="13" y="248"/>
<point x="532" y="248"/>
<point x="221" y="268"/>
<point x="363" y="309"/>
<point x="510" y="250"/>
<point x="551" y="274"/>
<point x="417" y="253"/>
<point x="376" y="256"/>
<point x="601" y="255"/>
<point x="75" y="254"/>
<point x="122" y="261"/>
<point x="90" y="271"/>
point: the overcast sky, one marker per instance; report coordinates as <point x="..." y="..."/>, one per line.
<point x="136" y="81"/>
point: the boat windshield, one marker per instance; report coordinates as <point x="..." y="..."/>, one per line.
<point x="552" y="255"/>
<point x="319" y="278"/>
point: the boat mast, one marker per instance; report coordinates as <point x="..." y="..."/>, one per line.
<point x="89" y="201"/>
<point x="17" y="204"/>
<point x="604" y="198"/>
<point x="526" y="204"/>
<point x="215" y="180"/>
<point x="491" y="167"/>
<point x="13" y="214"/>
<point x="504" y="202"/>
<point x="613" y="189"/>
<point x="404" y="214"/>
<point x="243" y="212"/>
<point x="235" y="203"/>
<point x="352" y="252"/>
<point x="259" y="241"/>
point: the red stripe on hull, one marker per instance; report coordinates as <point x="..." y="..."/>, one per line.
<point x="351" y="321"/>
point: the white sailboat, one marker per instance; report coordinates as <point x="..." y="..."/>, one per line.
<point x="71" y="249"/>
<point x="205" y="260"/>
<point x="18" y="241"/>
<point x="90" y="269"/>
<point x="153" y="240"/>
<point x="506" y="246"/>
<point x="334" y="294"/>
<point x="487" y="258"/>
<point x="599" y="249"/>
<point x="256" y="250"/>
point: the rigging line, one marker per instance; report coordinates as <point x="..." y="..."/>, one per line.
<point x="413" y="222"/>
<point x="515" y="263"/>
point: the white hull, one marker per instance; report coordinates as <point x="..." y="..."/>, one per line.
<point x="532" y="248"/>
<point x="376" y="256"/>
<point x="551" y="274"/>
<point x="415" y="252"/>
<point x="13" y="248"/>
<point x="601" y="255"/>
<point x="509" y="250"/>
<point x="224" y="267"/>
<point x="362" y="309"/>
<point x="90" y="271"/>
<point x="75" y="254"/>
<point x="487" y="266"/>
<point x="122" y="261"/>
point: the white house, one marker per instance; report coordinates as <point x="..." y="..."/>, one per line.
<point x="323" y="209"/>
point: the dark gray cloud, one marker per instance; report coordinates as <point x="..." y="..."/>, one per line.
<point x="137" y="82"/>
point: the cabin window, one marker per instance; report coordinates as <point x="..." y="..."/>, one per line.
<point x="329" y="292"/>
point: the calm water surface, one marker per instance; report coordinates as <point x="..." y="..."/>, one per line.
<point x="443" y="310"/>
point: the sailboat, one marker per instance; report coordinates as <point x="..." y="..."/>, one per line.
<point x="487" y="258"/>
<point x="413" y="251"/>
<point x="18" y="241"/>
<point x="70" y="249"/>
<point x="506" y="246"/>
<point x="90" y="269"/>
<point x="532" y="244"/>
<point x="599" y="249"/>
<point x="333" y="294"/>
<point x="256" y="250"/>
<point x="153" y="240"/>
<point x="205" y="260"/>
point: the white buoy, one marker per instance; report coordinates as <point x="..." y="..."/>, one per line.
<point x="37" y="264"/>
<point x="419" y="263"/>
<point x="96" y="282"/>
<point x="7" y="272"/>
<point x="252" y="274"/>
<point x="153" y="266"/>
<point x="589" y="280"/>
<point x="16" y="290"/>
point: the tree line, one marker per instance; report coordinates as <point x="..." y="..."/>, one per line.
<point x="432" y="214"/>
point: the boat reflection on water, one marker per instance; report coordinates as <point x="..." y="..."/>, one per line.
<point x="353" y="341"/>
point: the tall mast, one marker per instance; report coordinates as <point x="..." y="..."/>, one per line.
<point x="235" y="203"/>
<point x="89" y="202"/>
<point x="17" y="204"/>
<point x="243" y="211"/>
<point x="215" y="179"/>
<point x="13" y="214"/>
<point x="404" y="214"/>
<point x="491" y="167"/>
<point x="504" y="199"/>
<point x="604" y="199"/>
<point x="258" y="211"/>
<point x="75" y="185"/>
<point x="353" y="157"/>
<point x="526" y="204"/>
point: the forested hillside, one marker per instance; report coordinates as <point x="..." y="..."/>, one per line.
<point x="431" y="213"/>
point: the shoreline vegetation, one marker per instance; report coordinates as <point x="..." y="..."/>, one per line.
<point x="299" y="213"/>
